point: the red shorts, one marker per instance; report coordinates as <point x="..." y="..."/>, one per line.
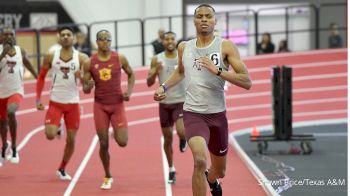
<point x="5" y="102"/>
<point x="71" y="112"/>
<point x="105" y="114"/>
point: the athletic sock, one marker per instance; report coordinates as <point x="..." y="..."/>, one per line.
<point x="172" y="169"/>
<point x="63" y="165"/>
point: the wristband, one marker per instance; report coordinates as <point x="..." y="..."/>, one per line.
<point x="219" y="71"/>
<point x="165" y="87"/>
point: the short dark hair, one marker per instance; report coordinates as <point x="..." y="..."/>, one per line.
<point x="204" y="5"/>
<point x="170" y="32"/>
<point x="66" y="28"/>
<point x="100" y="31"/>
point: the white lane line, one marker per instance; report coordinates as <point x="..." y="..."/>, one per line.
<point x="29" y="136"/>
<point x="294" y="54"/>
<point x="253" y="168"/>
<point x="124" y="83"/>
<point x="257" y="173"/>
<point x="303" y="65"/>
<point x="228" y="97"/>
<point x="137" y="69"/>
<point x="303" y="78"/>
<point x="252" y="70"/>
<point x="82" y="166"/>
<point x="295" y="103"/>
<point x="92" y="148"/>
<point x="299" y="90"/>
<point x="267" y="117"/>
<point x="168" y="191"/>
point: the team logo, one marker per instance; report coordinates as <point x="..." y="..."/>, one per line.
<point x="96" y="66"/>
<point x="11" y="64"/>
<point x="105" y="74"/>
<point x="197" y="65"/>
<point x="65" y="71"/>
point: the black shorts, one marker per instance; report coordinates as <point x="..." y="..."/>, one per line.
<point x="169" y="113"/>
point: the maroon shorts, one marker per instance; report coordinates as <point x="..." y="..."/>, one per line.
<point x="169" y="113"/>
<point x="71" y="112"/>
<point x="109" y="114"/>
<point x="212" y="127"/>
<point x="4" y="102"/>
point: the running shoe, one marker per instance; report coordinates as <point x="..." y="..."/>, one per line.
<point x="215" y="188"/>
<point x="172" y="177"/>
<point x="15" y="157"/>
<point x="107" y="183"/>
<point x="63" y="175"/>
<point x="183" y="145"/>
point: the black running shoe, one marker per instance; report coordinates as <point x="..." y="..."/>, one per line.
<point x="172" y="177"/>
<point x="183" y="145"/>
<point x="215" y="188"/>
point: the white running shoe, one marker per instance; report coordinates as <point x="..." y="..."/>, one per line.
<point x="14" y="159"/>
<point x="107" y="183"/>
<point x="63" y="175"/>
<point x="8" y="153"/>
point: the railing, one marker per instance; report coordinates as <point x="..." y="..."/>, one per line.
<point x="254" y="18"/>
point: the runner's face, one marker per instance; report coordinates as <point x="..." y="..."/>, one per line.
<point x="169" y="42"/>
<point x="66" y="38"/>
<point x="103" y="41"/>
<point x="8" y="37"/>
<point x="204" y="20"/>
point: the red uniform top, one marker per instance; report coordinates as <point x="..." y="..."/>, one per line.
<point x="106" y="75"/>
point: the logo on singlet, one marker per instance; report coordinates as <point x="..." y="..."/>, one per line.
<point x="105" y="74"/>
<point x="11" y="64"/>
<point x="65" y="71"/>
<point x="197" y="65"/>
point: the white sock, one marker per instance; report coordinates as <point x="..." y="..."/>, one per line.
<point x="172" y="169"/>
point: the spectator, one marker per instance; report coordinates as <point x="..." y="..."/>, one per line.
<point x="266" y="46"/>
<point x="158" y="43"/>
<point x="334" y="39"/>
<point x="81" y="43"/>
<point x="283" y="46"/>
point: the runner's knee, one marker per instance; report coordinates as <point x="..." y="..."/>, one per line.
<point x="11" y="113"/>
<point x="50" y="135"/>
<point x="122" y="142"/>
<point x="200" y="163"/>
<point x="121" y="137"/>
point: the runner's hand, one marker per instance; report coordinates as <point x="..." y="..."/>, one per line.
<point x="39" y="105"/>
<point x="126" y="96"/>
<point x="159" y="94"/>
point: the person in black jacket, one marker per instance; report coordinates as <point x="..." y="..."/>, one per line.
<point x="334" y="39"/>
<point x="266" y="46"/>
<point x="158" y="43"/>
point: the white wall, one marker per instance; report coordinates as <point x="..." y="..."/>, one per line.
<point x="269" y="21"/>
<point x="89" y="11"/>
